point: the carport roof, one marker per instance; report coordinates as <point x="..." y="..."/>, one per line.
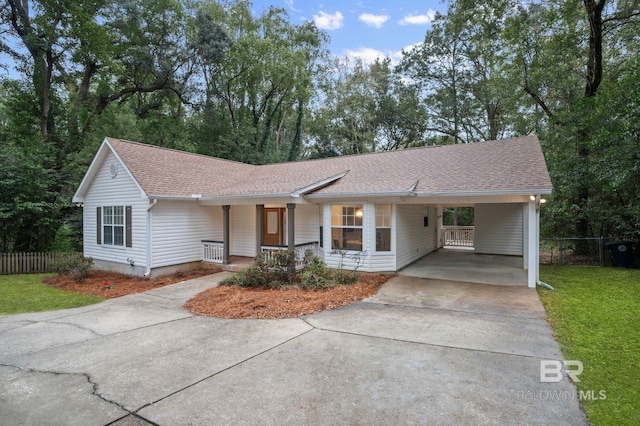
<point x="508" y="166"/>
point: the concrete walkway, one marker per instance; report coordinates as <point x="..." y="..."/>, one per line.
<point x="467" y="266"/>
<point x="419" y="352"/>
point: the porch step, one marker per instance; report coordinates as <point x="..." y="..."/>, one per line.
<point x="237" y="264"/>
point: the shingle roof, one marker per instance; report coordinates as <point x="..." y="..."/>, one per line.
<point x="506" y="165"/>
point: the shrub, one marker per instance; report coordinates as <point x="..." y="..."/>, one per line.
<point x="268" y="270"/>
<point x="78" y="266"/>
<point x="345" y="277"/>
<point x="316" y="274"/>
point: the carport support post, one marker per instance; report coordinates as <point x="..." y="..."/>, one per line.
<point x="225" y="234"/>
<point x="291" y="227"/>
<point x="533" y="252"/>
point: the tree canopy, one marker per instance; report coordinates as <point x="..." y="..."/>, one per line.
<point x="219" y="78"/>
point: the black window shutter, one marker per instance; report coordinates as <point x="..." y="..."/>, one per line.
<point x="99" y="225"/>
<point x="127" y="224"/>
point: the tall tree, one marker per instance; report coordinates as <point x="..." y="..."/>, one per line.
<point x="458" y="72"/>
<point x="582" y="40"/>
<point x="81" y="57"/>
<point x="259" y="89"/>
<point x="364" y="107"/>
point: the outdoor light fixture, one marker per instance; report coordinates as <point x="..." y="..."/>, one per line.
<point x="532" y="197"/>
<point x="359" y="212"/>
<point x="543" y="200"/>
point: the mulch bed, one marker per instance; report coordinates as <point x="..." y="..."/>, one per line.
<point x="230" y="301"/>
<point x="121" y="285"/>
<point x="289" y="302"/>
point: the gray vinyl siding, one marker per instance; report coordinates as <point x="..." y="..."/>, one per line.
<point x="242" y="231"/>
<point x="307" y="223"/>
<point x="413" y="239"/>
<point x="498" y="229"/>
<point x="120" y="190"/>
<point x="178" y="229"/>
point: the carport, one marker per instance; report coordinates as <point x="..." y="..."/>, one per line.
<point x="503" y="249"/>
<point x="467" y="266"/>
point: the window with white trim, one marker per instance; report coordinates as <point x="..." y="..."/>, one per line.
<point x="113" y="226"/>
<point x="346" y="227"/>
<point x="383" y="227"/>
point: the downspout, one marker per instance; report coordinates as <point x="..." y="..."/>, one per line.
<point x="155" y="201"/>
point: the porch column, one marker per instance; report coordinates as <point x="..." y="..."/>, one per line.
<point x="259" y="227"/>
<point x="225" y="234"/>
<point x="291" y="226"/>
<point x="533" y="252"/>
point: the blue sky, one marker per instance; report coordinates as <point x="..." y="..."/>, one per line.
<point x="362" y="28"/>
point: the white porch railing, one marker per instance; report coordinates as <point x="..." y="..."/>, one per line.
<point x="300" y="250"/>
<point x="212" y="251"/>
<point x="458" y="236"/>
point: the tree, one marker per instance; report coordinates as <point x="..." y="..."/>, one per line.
<point x="458" y="72"/>
<point x="582" y="40"/>
<point x="258" y="89"/>
<point x="364" y="107"/>
<point x="80" y="58"/>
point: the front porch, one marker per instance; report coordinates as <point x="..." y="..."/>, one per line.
<point x="213" y="252"/>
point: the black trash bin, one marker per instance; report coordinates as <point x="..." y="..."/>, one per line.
<point x="621" y="253"/>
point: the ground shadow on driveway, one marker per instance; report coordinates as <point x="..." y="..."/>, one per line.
<point x="419" y="352"/>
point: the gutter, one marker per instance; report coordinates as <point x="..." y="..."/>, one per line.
<point x="545" y="285"/>
<point x="530" y="191"/>
<point x="364" y="194"/>
<point x="155" y="201"/>
<point x="221" y="197"/>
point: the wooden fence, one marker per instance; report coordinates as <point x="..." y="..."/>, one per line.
<point x="32" y="263"/>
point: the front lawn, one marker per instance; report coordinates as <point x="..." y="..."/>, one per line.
<point x="27" y="293"/>
<point x="595" y="316"/>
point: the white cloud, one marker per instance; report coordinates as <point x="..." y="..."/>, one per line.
<point x="327" y="21"/>
<point x="373" y="20"/>
<point x="410" y="47"/>
<point x="366" y="54"/>
<point x="369" y="55"/>
<point x="290" y="4"/>
<point x="418" y="19"/>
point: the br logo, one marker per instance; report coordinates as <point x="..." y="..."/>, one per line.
<point x="551" y="370"/>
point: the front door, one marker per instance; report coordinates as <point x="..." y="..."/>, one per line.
<point x="273" y="233"/>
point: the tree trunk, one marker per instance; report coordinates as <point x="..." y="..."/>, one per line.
<point x="594" y="77"/>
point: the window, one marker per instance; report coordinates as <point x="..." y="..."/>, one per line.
<point x="383" y="227"/>
<point x="113" y="225"/>
<point x="346" y="227"/>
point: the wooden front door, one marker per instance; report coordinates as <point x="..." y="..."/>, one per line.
<point x="272" y="229"/>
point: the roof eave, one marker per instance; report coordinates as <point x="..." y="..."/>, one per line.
<point x="220" y="197"/>
<point x="318" y="185"/>
<point x="485" y="193"/>
<point x="362" y="194"/>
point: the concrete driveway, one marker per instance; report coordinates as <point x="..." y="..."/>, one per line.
<point x="421" y="351"/>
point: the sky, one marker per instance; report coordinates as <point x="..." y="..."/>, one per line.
<point x="364" y="28"/>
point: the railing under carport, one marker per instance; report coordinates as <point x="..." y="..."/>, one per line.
<point x="457" y="236"/>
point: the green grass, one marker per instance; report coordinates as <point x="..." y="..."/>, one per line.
<point x="595" y="316"/>
<point x="26" y="293"/>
